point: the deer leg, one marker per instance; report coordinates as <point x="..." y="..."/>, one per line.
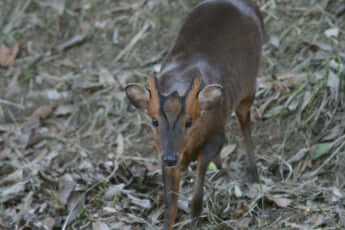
<point x="209" y="152"/>
<point x="243" y="114"/>
<point x="218" y="161"/>
<point x="171" y="179"/>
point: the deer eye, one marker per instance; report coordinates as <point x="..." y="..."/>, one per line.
<point x="155" y="122"/>
<point x="189" y="123"/>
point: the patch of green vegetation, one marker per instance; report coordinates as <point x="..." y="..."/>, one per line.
<point x="116" y="198"/>
<point x="53" y="196"/>
<point x="17" y="36"/>
<point x="322" y="149"/>
<point x="10" y="37"/>
<point x="27" y="75"/>
<point x="97" y="201"/>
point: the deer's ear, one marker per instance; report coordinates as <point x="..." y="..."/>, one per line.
<point x="138" y="95"/>
<point x="210" y="96"/>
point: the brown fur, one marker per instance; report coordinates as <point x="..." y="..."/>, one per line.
<point x="154" y="106"/>
<point x="172" y="108"/>
<point x="192" y="102"/>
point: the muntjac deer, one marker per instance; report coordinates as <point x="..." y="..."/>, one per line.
<point x="210" y="72"/>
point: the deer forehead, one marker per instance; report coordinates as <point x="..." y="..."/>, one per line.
<point x="173" y="108"/>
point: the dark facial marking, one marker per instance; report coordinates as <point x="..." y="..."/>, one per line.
<point x="172" y="108"/>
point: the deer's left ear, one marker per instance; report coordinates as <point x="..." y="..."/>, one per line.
<point x="210" y="96"/>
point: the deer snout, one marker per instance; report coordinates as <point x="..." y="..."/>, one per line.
<point x="170" y="160"/>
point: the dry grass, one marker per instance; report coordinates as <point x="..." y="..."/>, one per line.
<point x="74" y="154"/>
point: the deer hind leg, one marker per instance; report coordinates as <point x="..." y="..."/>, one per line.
<point x="218" y="162"/>
<point x="243" y="115"/>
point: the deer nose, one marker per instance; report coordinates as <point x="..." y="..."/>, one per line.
<point x="170" y="160"/>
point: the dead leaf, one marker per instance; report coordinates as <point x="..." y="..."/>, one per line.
<point x="85" y="165"/>
<point x="306" y="164"/>
<point x="308" y="96"/>
<point x="227" y="150"/>
<point x="144" y="203"/>
<point x="56" y="95"/>
<point x="48" y="223"/>
<point x="99" y="226"/>
<point x="36" y="140"/>
<point x="26" y="206"/>
<point x="124" y="78"/>
<point x="120" y="145"/>
<point x="119" y="226"/>
<point x="12" y="178"/>
<point x="337" y="195"/>
<point x="275" y="41"/>
<point x="74" y="206"/>
<point x="41" y="113"/>
<point x="259" y="112"/>
<point x="100" y="24"/>
<point x="332" y="32"/>
<point x="85" y="27"/>
<point x="281" y="86"/>
<point x="337" y="65"/>
<point x="113" y="190"/>
<point x="333" y="133"/>
<point x="106" y="78"/>
<point x="316" y="220"/>
<point x="333" y="83"/>
<point x="66" y="186"/>
<point x="275" y="111"/>
<point x="109" y="210"/>
<point x="154" y="217"/>
<point x="4" y="154"/>
<point x="238" y="192"/>
<point x="299" y="155"/>
<point x="66" y="62"/>
<point x="292" y="105"/>
<point x="13" y="88"/>
<point x="243" y="208"/>
<point x="8" y="55"/>
<point x="183" y="205"/>
<point x="151" y="167"/>
<point x="9" y="192"/>
<point x="59" y="6"/>
<point x="292" y="79"/>
<point x="35" y="164"/>
<point x="63" y="110"/>
<point x="119" y="95"/>
<point x="279" y="201"/>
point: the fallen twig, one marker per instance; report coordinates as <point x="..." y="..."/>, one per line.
<point x="76" y="40"/>
<point x="134" y="41"/>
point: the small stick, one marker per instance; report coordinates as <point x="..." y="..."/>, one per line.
<point x="18" y="106"/>
<point x="78" y="39"/>
<point x="132" y="43"/>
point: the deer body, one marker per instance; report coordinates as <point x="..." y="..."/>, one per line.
<point x="210" y="72"/>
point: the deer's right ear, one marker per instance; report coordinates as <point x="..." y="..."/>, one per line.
<point x="138" y="95"/>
